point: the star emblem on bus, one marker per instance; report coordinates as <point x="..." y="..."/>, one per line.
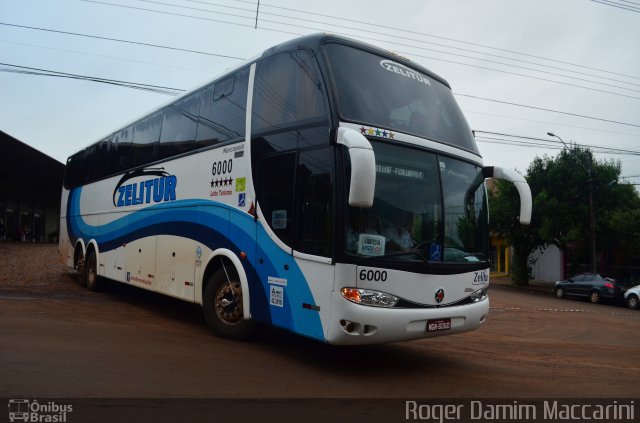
<point x="221" y="182"/>
<point x="377" y="132"/>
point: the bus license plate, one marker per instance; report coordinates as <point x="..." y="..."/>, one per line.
<point x="438" y="324"/>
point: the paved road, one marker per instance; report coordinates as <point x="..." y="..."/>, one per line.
<point x="60" y="340"/>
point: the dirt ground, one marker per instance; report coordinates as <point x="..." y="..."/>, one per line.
<point x="59" y="340"/>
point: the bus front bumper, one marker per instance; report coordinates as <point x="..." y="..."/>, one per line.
<point x="355" y="324"/>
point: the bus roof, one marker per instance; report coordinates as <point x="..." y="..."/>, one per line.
<point x="313" y="42"/>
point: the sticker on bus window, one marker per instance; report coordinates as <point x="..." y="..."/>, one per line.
<point x="435" y="252"/>
<point x="279" y="219"/>
<point x="371" y="245"/>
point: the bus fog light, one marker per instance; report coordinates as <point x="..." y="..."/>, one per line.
<point x="369" y="297"/>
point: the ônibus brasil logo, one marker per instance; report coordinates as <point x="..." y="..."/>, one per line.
<point x="25" y="410"/>
<point x="161" y="188"/>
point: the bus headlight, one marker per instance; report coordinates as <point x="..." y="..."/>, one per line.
<point x="369" y="297"/>
<point x="479" y="295"/>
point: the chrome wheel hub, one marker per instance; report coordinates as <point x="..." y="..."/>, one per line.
<point x="228" y="303"/>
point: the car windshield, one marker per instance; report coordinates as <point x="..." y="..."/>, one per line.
<point x="426" y="208"/>
<point x="375" y="90"/>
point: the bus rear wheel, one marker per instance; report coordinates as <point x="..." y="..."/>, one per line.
<point x="90" y="277"/>
<point x="222" y="303"/>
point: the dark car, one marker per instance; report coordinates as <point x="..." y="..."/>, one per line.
<point x="591" y="286"/>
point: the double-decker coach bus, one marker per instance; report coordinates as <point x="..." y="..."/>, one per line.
<point x="327" y="187"/>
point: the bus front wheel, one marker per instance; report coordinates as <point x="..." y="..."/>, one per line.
<point x="222" y="303"/>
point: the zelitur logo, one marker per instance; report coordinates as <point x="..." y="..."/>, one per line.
<point x="404" y="71"/>
<point x="154" y="190"/>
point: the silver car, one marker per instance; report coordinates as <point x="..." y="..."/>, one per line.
<point x="631" y="297"/>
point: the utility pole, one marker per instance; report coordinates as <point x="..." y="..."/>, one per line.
<point x="592" y="211"/>
<point x="592" y="218"/>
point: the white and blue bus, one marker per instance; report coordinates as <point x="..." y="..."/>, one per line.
<point x="327" y="187"/>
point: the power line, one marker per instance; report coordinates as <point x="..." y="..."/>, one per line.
<point x="618" y="5"/>
<point x="546" y="110"/>
<point x="77" y="34"/>
<point x="467" y="112"/>
<point x="411" y="46"/>
<point x="405" y="38"/>
<point x="457" y="54"/>
<point x="369" y="38"/>
<point x="238" y="58"/>
<point x="530" y="144"/>
<point x="127" y="84"/>
<point x="84" y="53"/>
<point x="378" y="25"/>
<point x="552" y="141"/>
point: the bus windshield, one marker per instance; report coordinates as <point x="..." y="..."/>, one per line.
<point x="415" y="216"/>
<point x="375" y="90"/>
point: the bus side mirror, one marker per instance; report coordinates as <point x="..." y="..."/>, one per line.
<point x="526" y="203"/>
<point x="363" y="167"/>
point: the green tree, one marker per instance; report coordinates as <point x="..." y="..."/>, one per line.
<point x="560" y="188"/>
<point x="504" y="207"/>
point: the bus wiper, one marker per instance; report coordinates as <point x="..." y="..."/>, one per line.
<point x="411" y="251"/>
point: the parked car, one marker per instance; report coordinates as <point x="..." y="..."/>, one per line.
<point x="631" y="297"/>
<point x="591" y="286"/>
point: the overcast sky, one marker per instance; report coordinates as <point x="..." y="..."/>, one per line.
<point x="504" y="50"/>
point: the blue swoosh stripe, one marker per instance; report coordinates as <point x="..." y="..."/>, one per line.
<point x="215" y="225"/>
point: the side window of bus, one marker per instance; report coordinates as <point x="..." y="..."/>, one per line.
<point x="275" y="193"/>
<point x="289" y="114"/>
<point x="223" y="110"/>
<point x="146" y="140"/>
<point x="288" y="91"/>
<point x="314" y="200"/>
<point x="104" y="149"/>
<point x="179" y="126"/>
<point x="120" y="158"/>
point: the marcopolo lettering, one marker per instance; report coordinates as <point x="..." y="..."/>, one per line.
<point x="152" y="190"/>
<point x="404" y="71"/>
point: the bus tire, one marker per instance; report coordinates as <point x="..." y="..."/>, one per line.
<point x="79" y="264"/>
<point x="222" y="305"/>
<point x="91" y="278"/>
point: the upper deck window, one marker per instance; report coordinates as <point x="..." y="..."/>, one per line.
<point x="288" y="92"/>
<point x="381" y="92"/>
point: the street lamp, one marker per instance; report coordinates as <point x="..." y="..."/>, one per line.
<point x="592" y="214"/>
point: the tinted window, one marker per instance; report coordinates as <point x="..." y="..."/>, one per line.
<point x="106" y="146"/>
<point x="146" y="140"/>
<point x="275" y="193"/>
<point x="407" y="206"/>
<point x="223" y="110"/>
<point x="179" y="126"/>
<point x="378" y="91"/>
<point x="121" y="153"/>
<point x="315" y="202"/>
<point x="288" y="140"/>
<point x="288" y="89"/>
<point x="465" y="211"/>
<point x="71" y="172"/>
